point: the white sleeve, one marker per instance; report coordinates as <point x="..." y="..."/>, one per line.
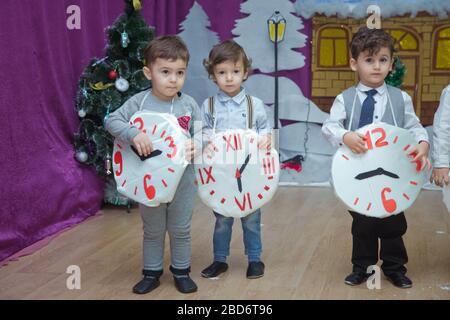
<point x="412" y="122"/>
<point x="333" y="128"/>
<point x="441" y="132"/>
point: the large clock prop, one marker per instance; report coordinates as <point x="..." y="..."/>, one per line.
<point x="238" y="178"/>
<point x="152" y="179"/>
<point x="383" y="181"/>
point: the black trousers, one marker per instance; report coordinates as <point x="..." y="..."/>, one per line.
<point x="367" y="230"/>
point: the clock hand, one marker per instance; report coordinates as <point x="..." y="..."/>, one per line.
<point x="245" y="164"/>
<point x="152" y="154"/>
<point x="369" y="174"/>
<point x="390" y="174"/>
<point x="376" y="172"/>
<point x="238" y="178"/>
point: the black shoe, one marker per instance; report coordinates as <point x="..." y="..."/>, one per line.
<point x="185" y="284"/>
<point x="214" y="269"/>
<point x="400" y="280"/>
<point x="147" y="284"/>
<point x="356" y="278"/>
<point x="255" y="270"/>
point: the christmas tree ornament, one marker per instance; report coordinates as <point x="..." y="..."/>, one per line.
<point x="101" y="86"/>
<point x="122" y="84"/>
<point x="81" y="113"/>
<point x="84" y="93"/>
<point x="108" y="164"/>
<point x="81" y="156"/>
<point x="125" y="40"/>
<point x="113" y="75"/>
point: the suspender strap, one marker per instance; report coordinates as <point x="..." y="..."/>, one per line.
<point x="211" y="106"/>
<point x="249" y="111"/>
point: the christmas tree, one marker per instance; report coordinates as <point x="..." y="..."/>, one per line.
<point x="395" y="77"/>
<point x="104" y="86"/>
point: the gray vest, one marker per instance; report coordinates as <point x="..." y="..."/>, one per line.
<point x="397" y="102"/>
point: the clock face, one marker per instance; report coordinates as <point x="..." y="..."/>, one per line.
<point x="153" y="179"/>
<point x="238" y="178"/>
<point x="383" y="181"/>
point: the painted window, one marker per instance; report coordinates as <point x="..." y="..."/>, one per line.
<point x="442" y="49"/>
<point x="333" y="47"/>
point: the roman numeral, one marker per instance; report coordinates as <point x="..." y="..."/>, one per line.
<point x="208" y="177"/>
<point x="233" y="141"/>
<point x="243" y="205"/>
<point x="269" y="165"/>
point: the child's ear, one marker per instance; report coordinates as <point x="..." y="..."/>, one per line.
<point x="147" y="72"/>
<point x="245" y="76"/>
<point x="353" y="64"/>
<point x="392" y="64"/>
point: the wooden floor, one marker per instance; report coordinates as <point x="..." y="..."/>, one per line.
<point x="307" y="249"/>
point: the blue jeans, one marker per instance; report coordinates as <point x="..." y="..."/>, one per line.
<point x="251" y="226"/>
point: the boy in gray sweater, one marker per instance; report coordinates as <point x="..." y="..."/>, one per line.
<point x="166" y="58"/>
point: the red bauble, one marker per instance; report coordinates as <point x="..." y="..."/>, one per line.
<point x="112" y="74"/>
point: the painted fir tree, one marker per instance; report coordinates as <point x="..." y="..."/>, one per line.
<point x="251" y="33"/>
<point x="104" y="86"/>
<point x="199" y="38"/>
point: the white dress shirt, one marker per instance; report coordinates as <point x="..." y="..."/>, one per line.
<point x="333" y="128"/>
<point x="441" y="131"/>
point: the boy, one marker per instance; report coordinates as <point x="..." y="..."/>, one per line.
<point x="372" y="58"/>
<point x="166" y="58"/>
<point x="228" y="66"/>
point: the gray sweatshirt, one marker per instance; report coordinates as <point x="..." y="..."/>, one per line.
<point x="185" y="109"/>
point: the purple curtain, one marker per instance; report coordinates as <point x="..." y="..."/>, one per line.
<point x="43" y="189"/>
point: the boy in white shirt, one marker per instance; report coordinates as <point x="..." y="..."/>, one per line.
<point x="372" y="58"/>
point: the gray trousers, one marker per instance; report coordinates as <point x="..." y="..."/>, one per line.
<point x="174" y="217"/>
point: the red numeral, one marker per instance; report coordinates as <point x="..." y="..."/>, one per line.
<point x="172" y="145"/>
<point x="417" y="162"/>
<point x="368" y="140"/>
<point x="233" y="141"/>
<point x="208" y="177"/>
<point x="381" y="141"/>
<point x="243" y="205"/>
<point x="150" y="190"/>
<point x="389" y="204"/>
<point x="118" y="160"/>
<point x="140" y="123"/>
<point x="269" y="165"/>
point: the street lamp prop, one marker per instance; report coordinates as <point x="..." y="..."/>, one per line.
<point x="276" y="27"/>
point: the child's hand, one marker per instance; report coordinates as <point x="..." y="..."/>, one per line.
<point x="440" y="176"/>
<point x="143" y="144"/>
<point x="420" y="154"/>
<point x="190" y="150"/>
<point x="355" y="141"/>
<point x="265" y="142"/>
<point x="210" y="149"/>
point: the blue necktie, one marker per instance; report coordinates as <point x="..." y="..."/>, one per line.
<point x="367" y="109"/>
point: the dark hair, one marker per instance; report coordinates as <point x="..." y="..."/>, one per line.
<point x="227" y="50"/>
<point x="372" y="40"/>
<point x="168" y="47"/>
